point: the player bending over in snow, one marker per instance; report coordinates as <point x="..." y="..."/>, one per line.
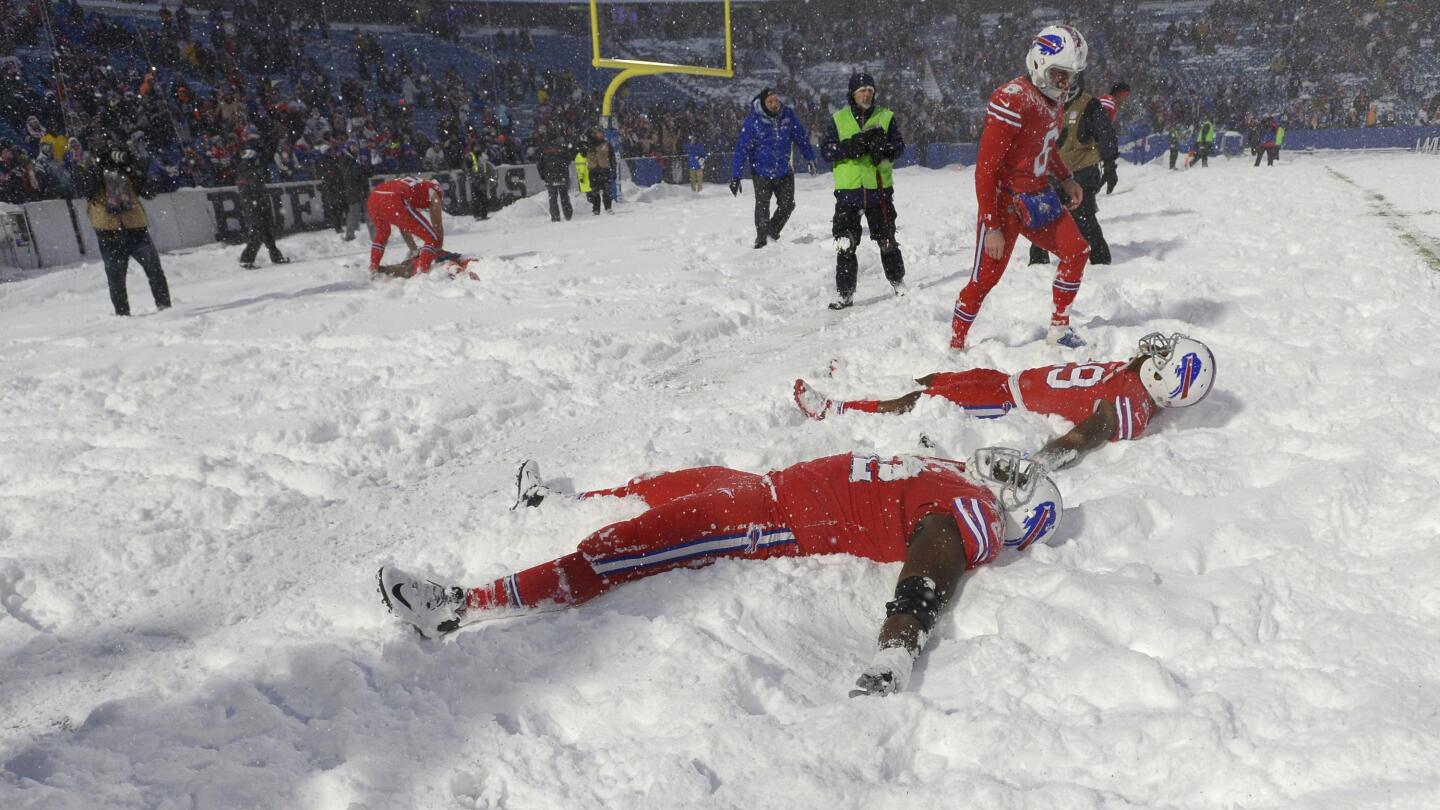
<point x="936" y="516"/>
<point x="398" y="204"/>
<point x="1106" y="401"/>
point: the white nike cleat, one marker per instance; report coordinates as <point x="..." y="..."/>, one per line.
<point x="812" y="403"/>
<point x="434" y="609"/>
<point x="1064" y="336"/>
<point x="530" y="488"/>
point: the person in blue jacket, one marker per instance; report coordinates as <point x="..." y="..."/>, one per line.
<point x="695" y="155"/>
<point x="766" y="137"/>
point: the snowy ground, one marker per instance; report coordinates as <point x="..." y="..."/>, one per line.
<point x="1242" y="613"/>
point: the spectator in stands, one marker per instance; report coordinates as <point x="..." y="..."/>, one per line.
<point x="862" y="142"/>
<point x="355" y="180"/>
<point x="766" y="138"/>
<point x="695" y="155"/>
<point x="554" y="168"/>
<point x="251" y="180"/>
<point x="1087" y="142"/>
<point x="600" y="163"/>
<point x="480" y="175"/>
<point x="112" y="189"/>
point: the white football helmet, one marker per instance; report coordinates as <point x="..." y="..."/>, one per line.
<point x="1030" y="501"/>
<point x="1057" y="46"/>
<point x="1178" y="371"/>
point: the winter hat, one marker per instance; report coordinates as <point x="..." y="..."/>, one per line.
<point x="1120" y="87"/>
<point x="859" y="80"/>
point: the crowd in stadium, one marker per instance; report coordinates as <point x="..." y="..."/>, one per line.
<point x="187" y="95"/>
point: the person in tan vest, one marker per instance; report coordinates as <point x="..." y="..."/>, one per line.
<point x="112" y="185"/>
<point x="600" y="159"/>
<point x="1087" y="142"/>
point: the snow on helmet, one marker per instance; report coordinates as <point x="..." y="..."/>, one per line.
<point x="1057" y="46"/>
<point x="1029" y="500"/>
<point x="1178" y="370"/>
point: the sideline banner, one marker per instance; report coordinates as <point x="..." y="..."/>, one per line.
<point x="299" y="206"/>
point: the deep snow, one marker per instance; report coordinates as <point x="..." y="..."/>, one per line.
<point x="1242" y="612"/>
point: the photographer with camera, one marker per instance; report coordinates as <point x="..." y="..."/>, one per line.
<point x="112" y="185"/>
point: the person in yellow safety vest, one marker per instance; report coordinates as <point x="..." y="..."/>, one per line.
<point x="582" y="173"/>
<point x="1205" y="142"/>
<point x="862" y="143"/>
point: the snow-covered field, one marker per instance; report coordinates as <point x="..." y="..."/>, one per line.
<point x="1243" y="611"/>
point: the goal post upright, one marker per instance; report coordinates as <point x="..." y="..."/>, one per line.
<point x="630" y="68"/>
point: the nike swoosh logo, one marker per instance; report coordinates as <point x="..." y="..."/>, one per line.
<point x="395" y="592"/>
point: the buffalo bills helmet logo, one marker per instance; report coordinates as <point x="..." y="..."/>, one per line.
<point x="1038" y="522"/>
<point x="1188" y="370"/>
<point x="1050" y="44"/>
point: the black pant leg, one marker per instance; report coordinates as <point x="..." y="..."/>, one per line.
<point x="784" y="204"/>
<point x="142" y="247"/>
<point x="1086" y="219"/>
<point x="253" y="238"/>
<point x="764" y="190"/>
<point x="267" y="232"/>
<point x="565" y="202"/>
<point x="845" y="227"/>
<point x="554" y="192"/>
<point x="881" y="219"/>
<point x="115" y="254"/>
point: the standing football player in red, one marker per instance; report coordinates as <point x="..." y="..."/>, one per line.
<point x="1105" y="401"/>
<point x="398" y="203"/>
<point x="1018" y="156"/>
<point x="937" y="516"/>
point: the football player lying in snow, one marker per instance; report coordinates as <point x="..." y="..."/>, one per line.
<point x="936" y="516"/>
<point x="452" y="263"/>
<point x="1106" y="401"/>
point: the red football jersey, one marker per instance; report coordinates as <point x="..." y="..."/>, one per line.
<point x="1017" y="146"/>
<point x="418" y="192"/>
<point x="1071" y="391"/>
<point x="868" y="506"/>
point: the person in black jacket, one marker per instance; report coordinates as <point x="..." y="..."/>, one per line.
<point x="355" y="182"/>
<point x="1088" y="148"/>
<point x="112" y="186"/>
<point x="332" y="187"/>
<point x="251" y="178"/>
<point x="555" y="171"/>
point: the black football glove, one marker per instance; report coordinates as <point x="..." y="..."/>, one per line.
<point x="735" y="187"/>
<point x="854" y="146"/>
<point x="1109" y="178"/>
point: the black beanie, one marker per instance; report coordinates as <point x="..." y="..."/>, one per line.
<point x="859" y="80"/>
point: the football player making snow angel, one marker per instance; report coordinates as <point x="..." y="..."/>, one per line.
<point x="936" y="516"/>
<point x="1017" y="157"/>
<point x="398" y="204"/>
<point x="1105" y="401"/>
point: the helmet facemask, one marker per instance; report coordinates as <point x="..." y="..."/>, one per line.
<point x="1029" y="500"/>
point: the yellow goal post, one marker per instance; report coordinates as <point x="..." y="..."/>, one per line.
<point x="630" y="68"/>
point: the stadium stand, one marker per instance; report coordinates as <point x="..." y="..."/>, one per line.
<point x="188" y="88"/>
